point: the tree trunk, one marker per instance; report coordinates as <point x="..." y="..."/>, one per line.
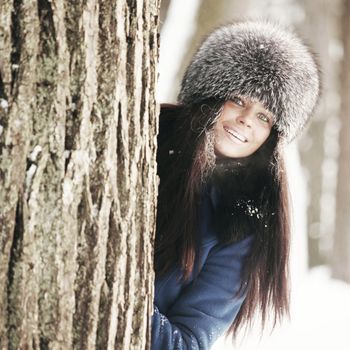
<point x="341" y="245"/>
<point x="78" y="122"/>
<point x="315" y="146"/>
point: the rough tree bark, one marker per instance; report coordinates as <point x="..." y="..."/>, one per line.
<point x="78" y="124"/>
<point x="341" y="246"/>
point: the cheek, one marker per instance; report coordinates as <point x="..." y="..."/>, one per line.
<point x="262" y="135"/>
<point x="217" y="138"/>
<point x="224" y="147"/>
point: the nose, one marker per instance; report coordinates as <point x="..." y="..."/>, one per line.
<point x="246" y="118"/>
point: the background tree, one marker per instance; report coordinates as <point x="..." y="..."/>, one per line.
<point x="317" y="150"/>
<point x="77" y="173"/>
<point x="341" y="245"/>
<point x="164" y="6"/>
<point x="210" y="15"/>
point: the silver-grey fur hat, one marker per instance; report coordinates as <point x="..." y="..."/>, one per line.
<point x="260" y="60"/>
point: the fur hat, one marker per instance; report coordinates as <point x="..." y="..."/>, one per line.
<point x="259" y="60"/>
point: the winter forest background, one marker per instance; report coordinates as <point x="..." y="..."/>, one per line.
<point x="78" y="123"/>
<point x="317" y="163"/>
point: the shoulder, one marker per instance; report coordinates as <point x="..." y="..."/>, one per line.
<point x="211" y="243"/>
<point x="168" y="117"/>
<point x="170" y="113"/>
<point x="168" y="109"/>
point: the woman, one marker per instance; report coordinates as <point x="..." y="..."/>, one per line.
<point x="222" y="242"/>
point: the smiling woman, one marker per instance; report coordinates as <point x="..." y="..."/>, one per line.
<point x="222" y="238"/>
<point x="242" y="127"/>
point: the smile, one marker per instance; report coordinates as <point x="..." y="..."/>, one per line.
<point x="236" y="135"/>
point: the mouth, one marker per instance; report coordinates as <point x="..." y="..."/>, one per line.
<point x="237" y="136"/>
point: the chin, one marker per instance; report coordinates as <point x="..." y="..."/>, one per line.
<point x="226" y="154"/>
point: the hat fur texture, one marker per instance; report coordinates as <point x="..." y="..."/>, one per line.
<point x="259" y="60"/>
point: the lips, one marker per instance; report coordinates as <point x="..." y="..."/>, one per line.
<point x="236" y="134"/>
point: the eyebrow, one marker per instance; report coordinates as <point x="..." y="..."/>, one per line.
<point x="252" y="100"/>
<point x="247" y="99"/>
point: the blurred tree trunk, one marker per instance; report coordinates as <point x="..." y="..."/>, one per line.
<point x="321" y="17"/>
<point x="211" y="14"/>
<point x="77" y="173"/>
<point x="164" y="6"/>
<point x="341" y="244"/>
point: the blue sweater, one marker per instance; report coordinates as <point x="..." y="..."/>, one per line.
<point x="194" y="314"/>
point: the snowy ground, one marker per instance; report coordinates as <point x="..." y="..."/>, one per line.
<point x="320" y="318"/>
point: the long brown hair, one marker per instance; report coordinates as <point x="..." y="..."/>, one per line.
<point x="186" y="164"/>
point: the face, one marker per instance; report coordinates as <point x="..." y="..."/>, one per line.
<point x="242" y="127"/>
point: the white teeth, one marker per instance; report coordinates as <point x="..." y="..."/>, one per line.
<point x="236" y="135"/>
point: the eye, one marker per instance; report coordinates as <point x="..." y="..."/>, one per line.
<point x="238" y="101"/>
<point x="264" y="117"/>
